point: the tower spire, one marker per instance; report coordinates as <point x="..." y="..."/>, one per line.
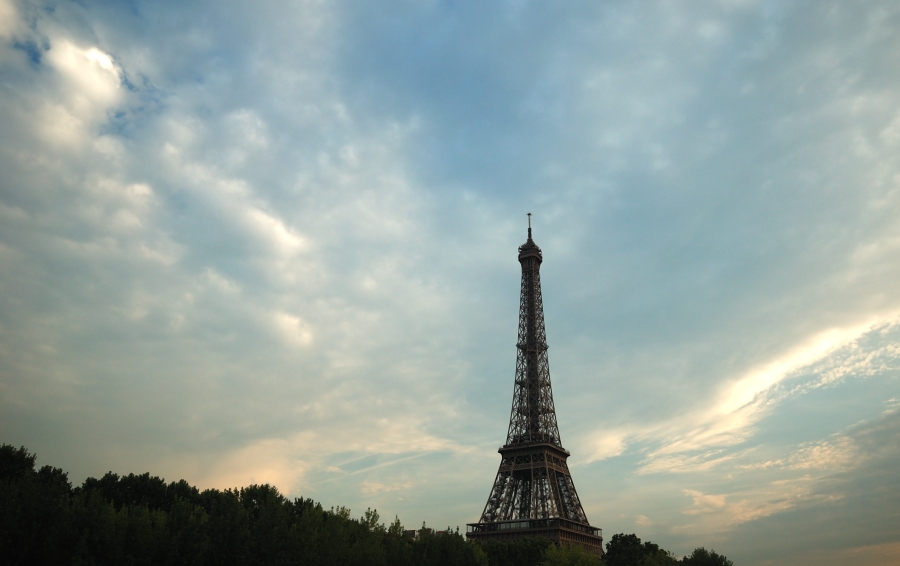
<point x="533" y="493"/>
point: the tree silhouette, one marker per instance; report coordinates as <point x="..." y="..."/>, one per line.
<point x="142" y="520"/>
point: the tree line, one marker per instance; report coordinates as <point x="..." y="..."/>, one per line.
<point x="142" y="520"/>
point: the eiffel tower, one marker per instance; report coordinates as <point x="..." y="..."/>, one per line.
<point x="533" y="494"/>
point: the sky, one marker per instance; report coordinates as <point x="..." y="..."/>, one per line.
<point x="276" y="242"/>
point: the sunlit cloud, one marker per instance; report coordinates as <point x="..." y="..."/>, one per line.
<point x="643" y="520"/>
<point x="839" y="454"/>
<point x="9" y="18"/>
<point x="704" y="503"/>
<point x="831" y="355"/>
<point x="722" y="512"/>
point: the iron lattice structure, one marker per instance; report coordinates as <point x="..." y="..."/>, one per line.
<point x="533" y="493"/>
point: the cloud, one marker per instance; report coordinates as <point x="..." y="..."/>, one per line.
<point x="839" y="454"/>
<point x="643" y="520"/>
<point x="694" y="442"/>
<point x="196" y="248"/>
<point x="722" y="513"/>
<point x="821" y="480"/>
<point x="8" y="18"/>
<point x="294" y="330"/>
<point x="608" y="444"/>
<point x="278" y="242"/>
<point x="370" y="488"/>
<point x="686" y="464"/>
<point x="836" y="487"/>
<point x="704" y="503"/>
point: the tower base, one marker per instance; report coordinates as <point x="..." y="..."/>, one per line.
<point x="559" y="531"/>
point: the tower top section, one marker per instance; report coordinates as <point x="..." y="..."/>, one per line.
<point x="529" y="249"/>
<point x="533" y="417"/>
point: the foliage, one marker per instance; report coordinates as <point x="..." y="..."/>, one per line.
<point x="566" y="555"/>
<point x="142" y="520"/>
<point x="522" y="552"/>
<point x="628" y="550"/>
<point x="660" y="558"/>
<point x="703" y="557"/>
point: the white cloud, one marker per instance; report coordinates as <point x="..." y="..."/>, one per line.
<point x="90" y="87"/>
<point x="294" y="330"/>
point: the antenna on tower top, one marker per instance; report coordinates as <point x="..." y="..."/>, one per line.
<point x="529" y="225"/>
